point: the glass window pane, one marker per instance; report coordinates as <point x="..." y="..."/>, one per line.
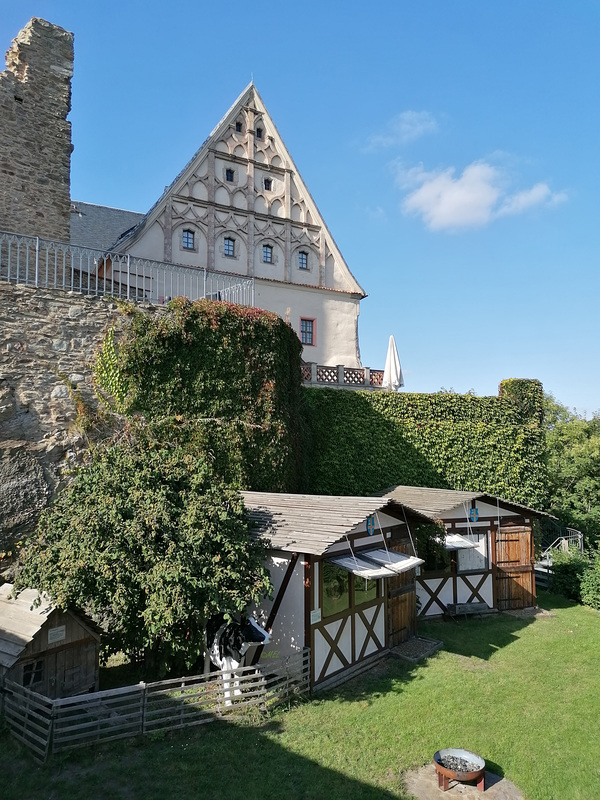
<point x="364" y="590"/>
<point x="336" y="589"/>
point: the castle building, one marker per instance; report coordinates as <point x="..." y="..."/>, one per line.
<point x="241" y="207"/>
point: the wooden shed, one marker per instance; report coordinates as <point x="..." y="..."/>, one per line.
<point x="53" y="652"/>
<point x="490" y="547"/>
<point x="343" y="571"/>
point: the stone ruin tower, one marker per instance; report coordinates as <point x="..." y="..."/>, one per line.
<point x="35" y="137"/>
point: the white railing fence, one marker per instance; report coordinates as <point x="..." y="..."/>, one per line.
<point x="49" y="726"/>
<point x="57" y="265"/>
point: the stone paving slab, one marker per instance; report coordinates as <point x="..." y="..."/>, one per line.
<point x="423" y="784"/>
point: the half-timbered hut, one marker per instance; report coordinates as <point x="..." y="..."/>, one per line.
<point x="52" y="652"/>
<point x="343" y="572"/>
<point x="490" y="550"/>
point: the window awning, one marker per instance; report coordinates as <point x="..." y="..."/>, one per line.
<point x="454" y="541"/>
<point x="361" y="567"/>
<point x="374" y="564"/>
<point x="398" y="562"/>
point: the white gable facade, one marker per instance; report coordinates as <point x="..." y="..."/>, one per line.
<point x="241" y="207"/>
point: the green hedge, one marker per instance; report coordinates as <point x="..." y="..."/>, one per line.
<point x="363" y="442"/>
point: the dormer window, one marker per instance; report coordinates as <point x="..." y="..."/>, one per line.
<point x="302" y="260"/>
<point x="259" y="133"/>
<point x="229" y="247"/>
<point x="267" y="254"/>
<point x="238" y="127"/>
<point x="268" y="184"/>
<point x="187" y="240"/>
<point x="229" y="175"/>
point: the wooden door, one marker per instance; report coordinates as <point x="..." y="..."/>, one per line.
<point x="402" y="603"/>
<point x="402" y="612"/>
<point x="513" y="567"/>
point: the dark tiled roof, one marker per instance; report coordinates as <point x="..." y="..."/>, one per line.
<point x="99" y="227"/>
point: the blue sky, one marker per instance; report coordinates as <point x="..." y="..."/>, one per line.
<point x="451" y="146"/>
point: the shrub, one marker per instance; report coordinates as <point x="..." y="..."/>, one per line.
<point x="568" y="568"/>
<point x="590" y="584"/>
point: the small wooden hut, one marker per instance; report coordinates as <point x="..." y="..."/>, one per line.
<point x="52" y="652"/>
<point x="490" y="548"/>
<point x="343" y="571"/>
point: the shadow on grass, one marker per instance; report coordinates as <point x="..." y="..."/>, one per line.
<point x="223" y="759"/>
<point x="385" y="677"/>
<point x="550" y="601"/>
<point x="477" y="637"/>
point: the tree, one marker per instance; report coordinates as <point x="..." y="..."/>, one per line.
<point x="573" y="447"/>
<point x="149" y="540"/>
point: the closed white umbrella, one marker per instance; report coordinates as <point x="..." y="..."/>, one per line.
<point x="392" y="374"/>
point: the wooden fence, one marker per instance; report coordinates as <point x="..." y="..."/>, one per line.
<point x="49" y="726"/>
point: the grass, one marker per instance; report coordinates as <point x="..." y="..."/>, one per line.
<point x="524" y="694"/>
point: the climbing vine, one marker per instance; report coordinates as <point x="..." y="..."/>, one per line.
<point x="363" y="442"/>
<point x="222" y="376"/>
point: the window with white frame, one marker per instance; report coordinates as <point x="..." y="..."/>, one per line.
<point x="303" y="259"/>
<point x="268" y="184"/>
<point x="307" y="331"/>
<point x="267" y="254"/>
<point x="187" y="240"/>
<point x="229" y="247"/>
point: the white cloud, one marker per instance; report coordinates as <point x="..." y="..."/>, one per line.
<point x="402" y="129"/>
<point x="473" y="199"/>
<point x="377" y="213"/>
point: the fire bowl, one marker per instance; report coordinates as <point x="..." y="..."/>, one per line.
<point x="445" y="775"/>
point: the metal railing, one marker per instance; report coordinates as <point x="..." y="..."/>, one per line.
<point x="572" y="539"/>
<point x="57" y="265"/>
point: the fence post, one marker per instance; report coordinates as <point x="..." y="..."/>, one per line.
<point x="143" y="705"/>
<point x="340" y="374"/>
<point x="50" y="742"/>
<point x="37" y="261"/>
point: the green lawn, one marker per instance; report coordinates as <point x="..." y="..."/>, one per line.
<point x="523" y="694"/>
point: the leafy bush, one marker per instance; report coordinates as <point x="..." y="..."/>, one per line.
<point x="151" y="542"/>
<point x="590" y="584"/>
<point x="568" y="569"/>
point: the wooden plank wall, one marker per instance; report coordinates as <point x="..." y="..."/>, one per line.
<point x="46" y="725"/>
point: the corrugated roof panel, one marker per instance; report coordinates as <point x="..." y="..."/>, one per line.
<point x="310" y="523"/>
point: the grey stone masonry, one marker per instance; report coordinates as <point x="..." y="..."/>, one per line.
<point x="35" y="136"/>
<point x="44" y="334"/>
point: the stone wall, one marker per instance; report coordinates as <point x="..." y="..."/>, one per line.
<point x="35" y="137"/>
<point x="43" y="335"/>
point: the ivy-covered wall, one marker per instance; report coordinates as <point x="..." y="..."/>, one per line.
<point x="224" y="378"/>
<point x="227" y="379"/>
<point x="363" y="442"/>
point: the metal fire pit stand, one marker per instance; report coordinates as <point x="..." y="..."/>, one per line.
<point x="447" y="775"/>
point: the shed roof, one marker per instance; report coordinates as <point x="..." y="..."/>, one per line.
<point x="434" y="503"/>
<point x="20" y="620"/>
<point x="309" y="523"/>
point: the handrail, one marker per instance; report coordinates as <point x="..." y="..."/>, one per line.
<point x="48" y="264"/>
